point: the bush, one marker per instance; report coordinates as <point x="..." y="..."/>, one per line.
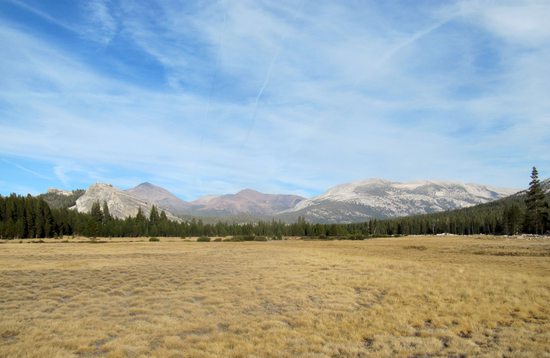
<point x="355" y="237"/>
<point x="203" y="239"/>
<point x="260" y="238"/>
<point x="235" y="239"/>
<point x="239" y="238"/>
<point x="218" y="239"/>
<point x="154" y="239"/>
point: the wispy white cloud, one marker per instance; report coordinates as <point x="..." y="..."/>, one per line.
<point x="101" y="25"/>
<point x="27" y="170"/>
<point x="282" y="98"/>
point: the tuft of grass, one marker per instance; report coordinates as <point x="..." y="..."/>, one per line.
<point x="415" y="247"/>
<point x="154" y="239"/>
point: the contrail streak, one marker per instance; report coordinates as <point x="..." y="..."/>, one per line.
<point x="266" y="81"/>
<point x="415" y="37"/>
<point x="261" y="92"/>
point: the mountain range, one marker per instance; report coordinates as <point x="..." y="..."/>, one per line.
<point x="378" y="198"/>
<point x="351" y="202"/>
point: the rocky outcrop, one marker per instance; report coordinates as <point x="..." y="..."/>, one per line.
<point x="121" y="204"/>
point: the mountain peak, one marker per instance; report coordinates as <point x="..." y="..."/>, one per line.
<point x="246" y="201"/>
<point x="158" y="196"/>
<point x="249" y="192"/>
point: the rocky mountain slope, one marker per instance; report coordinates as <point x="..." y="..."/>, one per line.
<point x="377" y="198"/>
<point x="247" y="202"/>
<point x="121" y="204"/>
<point x="160" y="197"/>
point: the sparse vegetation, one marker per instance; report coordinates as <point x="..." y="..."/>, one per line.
<point x="412" y="296"/>
<point x="56" y="200"/>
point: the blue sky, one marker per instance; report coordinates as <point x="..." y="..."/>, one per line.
<point x="209" y="97"/>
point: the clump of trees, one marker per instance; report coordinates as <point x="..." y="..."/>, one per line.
<point x="32" y="217"/>
<point x="25" y="217"/>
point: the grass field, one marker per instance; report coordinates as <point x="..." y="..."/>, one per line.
<point x="415" y="296"/>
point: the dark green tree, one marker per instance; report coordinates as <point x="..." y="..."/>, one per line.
<point x="106" y="214"/>
<point x="512" y="219"/>
<point x="96" y="220"/>
<point x="154" y="215"/>
<point x="535" y="206"/>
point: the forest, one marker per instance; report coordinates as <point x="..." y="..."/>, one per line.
<point x="31" y="217"/>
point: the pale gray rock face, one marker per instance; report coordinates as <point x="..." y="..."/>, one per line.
<point x="121" y="204"/>
<point x="60" y="192"/>
<point x="377" y="198"/>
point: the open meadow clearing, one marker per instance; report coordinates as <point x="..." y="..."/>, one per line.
<point x="412" y="296"/>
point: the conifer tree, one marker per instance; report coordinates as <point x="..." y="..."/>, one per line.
<point x="154" y="215"/>
<point x="106" y="214"/>
<point x="535" y="206"/>
<point x="139" y="216"/>
<point x="96" y="219"/>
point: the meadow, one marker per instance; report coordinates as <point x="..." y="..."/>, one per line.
<point x="410" y="296"/>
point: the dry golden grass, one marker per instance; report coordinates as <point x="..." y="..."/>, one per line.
<point x="415" y="296"/>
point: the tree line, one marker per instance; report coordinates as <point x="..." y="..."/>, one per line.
<point x="32" y="217"/>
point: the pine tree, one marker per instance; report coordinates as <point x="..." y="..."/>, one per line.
<point x="154" y="215"/>
<point x="106" y="214"/>
<point x="96" y="220"/>
<point x="139" y="216"/>
<point x="535" y="206"/>
<point x="512" y="219"/>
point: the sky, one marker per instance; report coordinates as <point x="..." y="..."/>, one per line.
<point x="210" y="97"/>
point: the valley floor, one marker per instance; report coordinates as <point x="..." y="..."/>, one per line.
<point x="413" y="296"/>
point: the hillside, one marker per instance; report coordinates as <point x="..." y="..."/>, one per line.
<point x="503" y="216"/>
<point x="246" y="202"/>
<point x="61" y="199"/>
<point x="380" y="199"/>
<point x="160" y="197"/>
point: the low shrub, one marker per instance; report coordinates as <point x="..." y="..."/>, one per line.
<point x="154" y="239"/>
<point x="203" y="239"/>
<point x="357" y="237"/>
<point x="238" y="238"/>
<point x="234" y="239"/>
<point x="260" y="238"/>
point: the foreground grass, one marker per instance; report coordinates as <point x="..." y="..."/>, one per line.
<point x="414" y="296"/>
